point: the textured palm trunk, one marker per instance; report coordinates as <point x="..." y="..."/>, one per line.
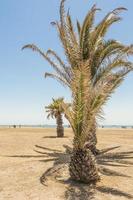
<point x="92" y="141"/>
<point x="60" y="128"/>
<point x="83" y="167"/>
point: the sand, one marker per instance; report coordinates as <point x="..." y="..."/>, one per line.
<point x="22" y="166"/>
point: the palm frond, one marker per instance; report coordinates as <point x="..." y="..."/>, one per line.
<point x="85" y="32"/>
<point x="66" y="69"/>
<point x="104" y="52"/>
<point x="102" y="28"/>
<point x="55" y="108"/>
<point x="78" y="27"/>
<point x="71" y="31"/>
<point x="68" y="113"/>
<point x="104" y="91"/>
<point x="58" y="78"/>
<point x="56" y="67"/>
<point x="51" y="52"/>
<point x="102" y="73"/>
<point x="71" y="52"/>
<point x="67" y="35"/>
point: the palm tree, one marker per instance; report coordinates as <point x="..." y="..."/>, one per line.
<point x="55" y="110"/>
<point x="95" y="68"/>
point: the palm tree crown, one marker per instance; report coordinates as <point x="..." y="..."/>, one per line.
<point x="96" y="66"/>
<point x="55" y="108"/>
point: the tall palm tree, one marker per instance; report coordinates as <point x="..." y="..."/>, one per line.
<point x="95" y="68"/>
<point x="55" y="110"/>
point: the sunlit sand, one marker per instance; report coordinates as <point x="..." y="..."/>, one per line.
<point x="27" y="153"/>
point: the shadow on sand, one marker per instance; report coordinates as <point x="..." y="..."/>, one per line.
<point x="54" y="137"/>
<point x="79" y="191"/>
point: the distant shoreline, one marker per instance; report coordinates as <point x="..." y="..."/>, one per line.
<point x="65" y="126"/>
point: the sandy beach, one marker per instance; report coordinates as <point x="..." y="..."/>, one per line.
<point x="27" y="153"/>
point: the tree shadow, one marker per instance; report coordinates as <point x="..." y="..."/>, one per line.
<point x="115" y="159"/>
<point x="61" y="160"/>
<point x="79" y="191"/>
<point x="58" y="156"/>
<point x="46" y="148"/>
<point x="55" y="137"/>
<point x="113" y="191"/>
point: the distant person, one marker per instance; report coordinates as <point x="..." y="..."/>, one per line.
<point x="123" y="127"/>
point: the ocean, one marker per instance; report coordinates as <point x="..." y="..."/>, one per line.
<point x="65" y="126"/>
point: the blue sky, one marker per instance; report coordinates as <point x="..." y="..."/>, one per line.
<point x="23" y="90"/>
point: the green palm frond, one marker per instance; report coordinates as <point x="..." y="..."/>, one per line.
<point x="68" y="113"/>
<point x="80" y="106"/>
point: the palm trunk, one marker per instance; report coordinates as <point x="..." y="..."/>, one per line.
<point x="83" y="166"/>
<point x="92" y="141"/>
<point x="60" y="128"/>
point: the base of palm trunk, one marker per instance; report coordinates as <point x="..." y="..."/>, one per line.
<point x="83" y="167"/>
<point x="60" y="132"/>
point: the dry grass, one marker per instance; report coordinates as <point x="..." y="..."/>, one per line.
<point x="28" y="156"/>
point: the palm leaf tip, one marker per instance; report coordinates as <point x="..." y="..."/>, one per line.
<point x="45" y="75"/>
<point x="78" y="27"/>
<point x="30" y="46"/>
<point x="68" y="12"/>
<point x="94" y="8"/>
<point x="48" y="51"/>
<point x="53" y="23"/>
<point x="118" y="10"/>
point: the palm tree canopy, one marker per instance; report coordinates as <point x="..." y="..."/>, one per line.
<point x="95" y="68"/>
<point x="55" y="108"/>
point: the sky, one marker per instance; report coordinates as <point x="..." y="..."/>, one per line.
<point x="24" y="92"/>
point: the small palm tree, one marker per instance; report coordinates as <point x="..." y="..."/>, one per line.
<point x="55" y="110"/>
<point x="96" y="67"/>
